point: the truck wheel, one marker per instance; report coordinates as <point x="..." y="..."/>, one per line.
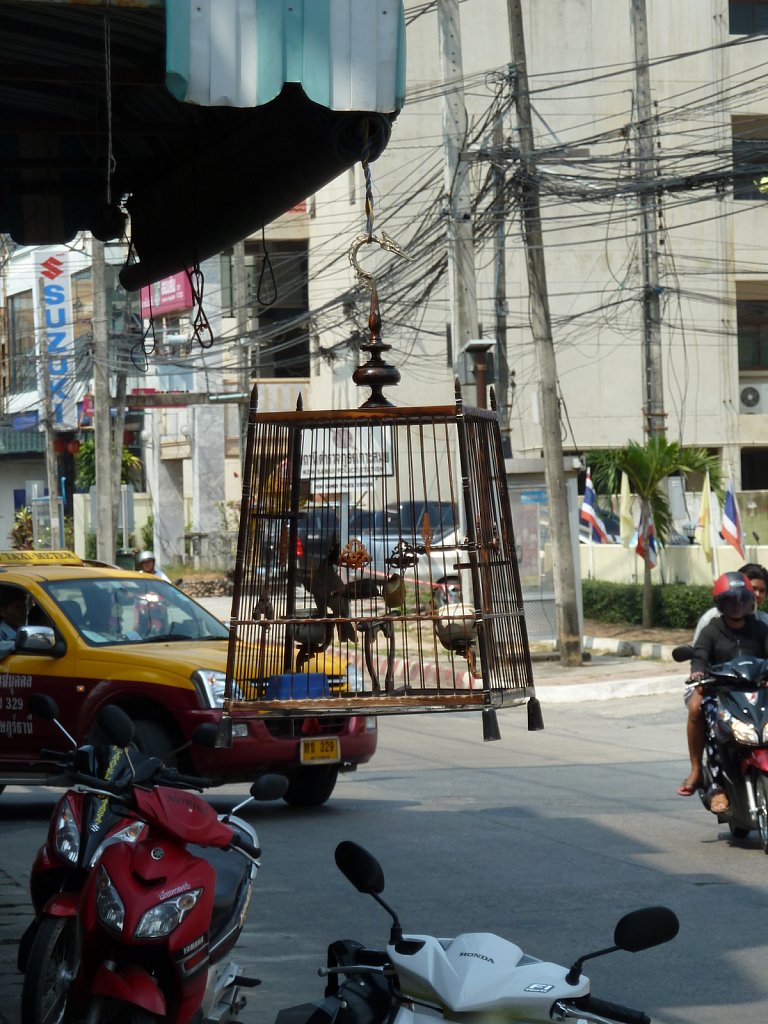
<point x="311" y="787"/>
<point x="151" y="738"/>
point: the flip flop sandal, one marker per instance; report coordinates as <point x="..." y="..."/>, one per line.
<point x="685" y="789"/>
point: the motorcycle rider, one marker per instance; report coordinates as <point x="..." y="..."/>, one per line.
<point x="147" y="563"/>
<point x="735" y="631"/>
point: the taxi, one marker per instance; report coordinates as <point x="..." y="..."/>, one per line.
<point x="96" y="635"/>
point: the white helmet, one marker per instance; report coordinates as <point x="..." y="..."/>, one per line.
<point x="145" y="556"/>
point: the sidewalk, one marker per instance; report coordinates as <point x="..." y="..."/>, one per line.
<point x="615" y="668"/>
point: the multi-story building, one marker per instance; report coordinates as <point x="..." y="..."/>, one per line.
<point x="306" y="312"/>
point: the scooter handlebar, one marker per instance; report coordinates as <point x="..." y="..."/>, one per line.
<point x="239" y="843"/>
<point x="601" y="1008"/>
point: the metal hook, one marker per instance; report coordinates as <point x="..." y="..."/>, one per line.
<point x="385" y="242"/>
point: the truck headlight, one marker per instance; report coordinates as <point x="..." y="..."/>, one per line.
<point x="161" y="919"/>
<point x="355" y="678"/>
<point x="211" y="685"/>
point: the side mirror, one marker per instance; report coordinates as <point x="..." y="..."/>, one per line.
<point x="116" y="725"/>
<point x="684" y="653"/>
<point x="206" y="735"/>
<point x="645" y="928"/>
<point x="360" y="868"/>
<point x="36" y="640"/>
<point x="44" y="707"/>
<point x="269" y="787"/>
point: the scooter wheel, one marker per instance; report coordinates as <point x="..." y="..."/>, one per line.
<point x="50" y="967"/>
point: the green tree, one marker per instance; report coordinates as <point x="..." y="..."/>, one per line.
<point x="85" y="466"/>
<point x="647" y="467"/>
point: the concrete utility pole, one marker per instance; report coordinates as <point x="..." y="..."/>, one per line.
<point x="569" y="636"/>
<point x="51" y="474"/>
<point x="102" y="423"/>
<point x="461" y="251"/>
<point x="654" y="418"/>
<point x="500" y="289"/>
<point x="240" y="299"/>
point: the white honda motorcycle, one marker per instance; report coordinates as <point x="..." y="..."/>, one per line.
<point x="419" y="979"/>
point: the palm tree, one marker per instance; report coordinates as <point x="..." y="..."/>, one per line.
<point x="647" y="466"/>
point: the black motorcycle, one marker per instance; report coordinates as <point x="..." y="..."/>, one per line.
<point x="741" y="689"/>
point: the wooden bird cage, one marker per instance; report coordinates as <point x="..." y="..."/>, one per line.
<point x="376" y="568"/>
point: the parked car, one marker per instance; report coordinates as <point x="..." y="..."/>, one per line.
<point x="388" y="530"/>
<point x="99" y="635"/>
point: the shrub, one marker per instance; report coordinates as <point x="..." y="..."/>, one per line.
<point x="675" y="605"/>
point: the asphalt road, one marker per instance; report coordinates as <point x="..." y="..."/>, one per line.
<point x="546" y="838"/>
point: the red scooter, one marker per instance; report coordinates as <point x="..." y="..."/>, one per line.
<point x="157" y="917"/>
<point x="80" y="826"/>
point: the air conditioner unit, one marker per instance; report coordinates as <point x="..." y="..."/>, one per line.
<point x="753" y="398"/>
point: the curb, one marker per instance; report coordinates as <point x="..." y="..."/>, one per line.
<point x="629" y="648"/>
<point x="608" y="689"/>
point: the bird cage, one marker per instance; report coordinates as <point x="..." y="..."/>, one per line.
<point x="376" y="568"/>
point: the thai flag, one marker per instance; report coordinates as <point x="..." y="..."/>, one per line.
<point x="646" y="540"/>
<point x="588" y="513"/>
<point x="730" y="530"/>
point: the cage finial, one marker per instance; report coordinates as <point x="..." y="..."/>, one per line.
<point x="375" y="374"/>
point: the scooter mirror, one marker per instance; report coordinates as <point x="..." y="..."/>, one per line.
<point x="43" y="706"/>
<point x="206" y="735"/>
<point x="360" y="868"/>
<point x="116" y="725"/>
<point x="269" y="787"/>
<point x="644" y="928"/>
<point x="684" y="653"/>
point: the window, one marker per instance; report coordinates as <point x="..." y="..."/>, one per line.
<point x="746" y="17"/>
<point x="750" y="157"/>
<point x="22" y="370"/>
<point x="754" y="470"/>
<point x="752" y="325"/>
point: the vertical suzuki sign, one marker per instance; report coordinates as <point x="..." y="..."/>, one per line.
<point x="58" y="337"/>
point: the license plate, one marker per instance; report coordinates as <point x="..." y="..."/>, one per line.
<point x="324" y="749"/>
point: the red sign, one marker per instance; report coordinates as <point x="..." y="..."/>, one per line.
<point x="166" y="296"/>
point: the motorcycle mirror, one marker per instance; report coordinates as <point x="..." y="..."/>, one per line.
<point x="205" y="735"/>
<point x="269" y="787"/>
<point x="637" y="930"/>
<point x="43" y="706"/>
<point x="116" y="725"/>
<point x="684" y="653"/>
<point x="360" y="868"/>
<point x="642" y="929"/>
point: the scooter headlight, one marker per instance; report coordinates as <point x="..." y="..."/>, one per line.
<point x="742" y="732"/>
<point x="161" y="919"/>
<point x="109" y="906"/>
<point x="67" y="841"/>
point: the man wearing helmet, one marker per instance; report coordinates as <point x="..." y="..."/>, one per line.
<point x="736" y="630"/>
<point x="146" y="563"/>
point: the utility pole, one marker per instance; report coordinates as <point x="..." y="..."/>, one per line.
<point x="50" y="454"/>
<point x="500" y="290"/>
<point x="654" y="417"/>
<point x="240" y="299"/>
<point x="102" y="422"/>
<point x="461" y="251"/>
<point x="554" y="470"/>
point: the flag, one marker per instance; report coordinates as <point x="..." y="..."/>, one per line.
<point x="626" y="522"/>
<point x="704" y="523"/>
<point x="730" y="530"/>
<point x="646" y="539"/>
<point x="588" y="513"/>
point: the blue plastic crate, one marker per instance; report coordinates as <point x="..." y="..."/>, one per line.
<point x="290" y="686"/>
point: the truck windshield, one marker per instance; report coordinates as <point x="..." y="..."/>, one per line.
<point x="130" y="611"/>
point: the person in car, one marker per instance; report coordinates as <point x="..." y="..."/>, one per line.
<point x="736" y="630"/>
<point x="13" y="612"/>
